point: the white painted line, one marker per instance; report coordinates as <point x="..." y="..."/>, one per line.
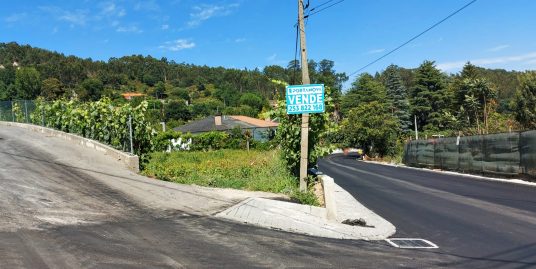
<point x="392" y="242"/>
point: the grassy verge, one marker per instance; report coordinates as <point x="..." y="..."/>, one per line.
<point x="237" y="169"/>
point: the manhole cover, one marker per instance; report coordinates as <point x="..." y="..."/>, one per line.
<point x="410" y="243"/>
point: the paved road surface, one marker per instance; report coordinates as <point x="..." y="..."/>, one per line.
<point x="56" y="212"/>
<point x="481" y="224"/>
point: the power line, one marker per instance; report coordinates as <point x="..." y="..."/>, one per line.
<point x="296" y="53"/>
<point x="327" y="2"/>
<point x="306" y="17"/>
<point x="316" y="12"/>
<point x="413" y="38"/>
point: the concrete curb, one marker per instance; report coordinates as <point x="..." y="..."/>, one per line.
<point x="341" y="206"/>
<point x="312" y="220"/>
<point x="446" y="172"/>
<point x="131" y="162"/>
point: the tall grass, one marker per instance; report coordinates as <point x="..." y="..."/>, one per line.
<point x="238" y="169"/>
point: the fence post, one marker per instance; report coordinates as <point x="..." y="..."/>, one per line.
<point x="43" y="117"/>
<point x="26" y="110"/>
<point x="12" y="112"/>
<point x="130" y="133"/>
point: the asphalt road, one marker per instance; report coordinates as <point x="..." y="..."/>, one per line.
<point x="55" y="212"/>
<point x="478" y="223"/>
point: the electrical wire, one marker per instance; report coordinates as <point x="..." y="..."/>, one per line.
<point x="306" y="16"/>
<point x="413" y="38"/>
<point x="312" y="9"/>
<point x="316" y="12"/>
<point x="296" y="53"/>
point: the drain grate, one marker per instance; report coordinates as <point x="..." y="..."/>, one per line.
<point x="410" y="243"/>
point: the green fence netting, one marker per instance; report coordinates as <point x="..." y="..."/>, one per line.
<point x="527" y="147"/>
<point x="502" y="154"/>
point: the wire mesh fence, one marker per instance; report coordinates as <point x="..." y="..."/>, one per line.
<point x="27" y="111"/>
<point x="17" y="110"/>
<point x="507" y="154"/>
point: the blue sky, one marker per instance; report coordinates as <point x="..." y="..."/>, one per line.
<point x="256" y="33"/>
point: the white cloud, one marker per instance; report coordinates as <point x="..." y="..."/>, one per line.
<point x="75" y="17"/>
<point x="150" y="5"/>
<point x="498" y="48"/>
<point x="111" y="11"/>
<point x="239" y="40"/>
<point x="524" y="58"/>
<point x="165" y="26"/>
<point x="129" y="29"/>
<point x="177" y="45"/>
<point x="271" y="58"/>
<point x="16" y="17"/>
<point x="108" y="8"/>
<point x="375" y="51"/>
<point x="204" y="12"/>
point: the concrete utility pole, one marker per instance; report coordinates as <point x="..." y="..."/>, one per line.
<point x="305" y="116"/>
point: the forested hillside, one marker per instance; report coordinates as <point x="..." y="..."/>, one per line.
<point x="28" y="73"/>
<point x="476" y="100"/>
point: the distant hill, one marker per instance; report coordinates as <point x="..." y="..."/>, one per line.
<point x="142" y="73"/>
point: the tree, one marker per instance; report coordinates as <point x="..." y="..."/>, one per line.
<point x="485" y="93"/>
<point x="397" y="95"/>
<point x="525" y="101"/>
<point x="206" y="106"/>
<point x="180" y="93"/>
<point x="429" y="98"/>
<point x="3" y="91"/>
<point x="252" y="100"/>
<point x="365" y="89"/>
<point x="371" y="126"/>
<point x="293" y="69"/>
<point x="52" y="89"/>
<point x="27" y="83"/>
<point x="91" y="89"/>
<point x="177" y="110"/>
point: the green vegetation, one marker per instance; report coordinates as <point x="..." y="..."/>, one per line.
<point x="288" y="135"/>
<point x="378" y="111"/>
<point x="252" y="170"/>
<point x="100" y="120"/>
<point x="177" y="92"/>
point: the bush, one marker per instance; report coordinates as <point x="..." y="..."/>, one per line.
<point x="210" y="141"/>
<point x="101" y="121"/>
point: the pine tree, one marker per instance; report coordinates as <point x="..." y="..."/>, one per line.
<point x="365" y="89"/>
<point x="396" y="93"/>
<point x="429" y="98"/>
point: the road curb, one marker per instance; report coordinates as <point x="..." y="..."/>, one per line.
<point x="341" y="206"/>
<point x="129" y="161"/>
<point x="454" y="173"/>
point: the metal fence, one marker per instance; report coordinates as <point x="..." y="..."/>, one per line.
<point x="17" y="111"/>
<point x="25" y="111"/>
<point x="507" y="154"/>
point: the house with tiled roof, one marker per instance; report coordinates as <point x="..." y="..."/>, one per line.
<point x="260" y="129"/>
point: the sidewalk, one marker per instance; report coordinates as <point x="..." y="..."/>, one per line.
<point x="310" y="220"/>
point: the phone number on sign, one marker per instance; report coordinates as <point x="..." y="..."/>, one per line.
<point x="297" y="108"/>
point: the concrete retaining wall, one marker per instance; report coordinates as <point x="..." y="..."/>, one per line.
<point x="132" y="162"/>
